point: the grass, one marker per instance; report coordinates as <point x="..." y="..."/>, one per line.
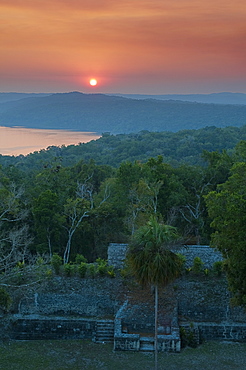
<point x="81" y="354"/>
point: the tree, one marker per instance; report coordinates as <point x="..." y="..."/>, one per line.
<point x="47" y="217"/>
<point x="192" y="210"/>
<point x="227" y="209"/>
<point x="75" y="211"/>
<point x="152" y="259"/>
<point x="143" y="198"/>
<point x="14" y="235"/>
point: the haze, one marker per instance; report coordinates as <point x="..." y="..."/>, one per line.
<point x="140" y="46"/>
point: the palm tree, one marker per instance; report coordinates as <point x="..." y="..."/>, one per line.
<point x="151" y="259"/>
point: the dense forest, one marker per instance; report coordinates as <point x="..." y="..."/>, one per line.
<point x="182" y="147"/>
<point x="76" y="200"/>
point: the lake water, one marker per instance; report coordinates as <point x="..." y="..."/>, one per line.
<point x="19" y="140"/>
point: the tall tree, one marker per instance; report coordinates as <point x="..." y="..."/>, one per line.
<point x="152" y="259"/>
<point x="48" y="221"/>
<point x="14" y="235"/>
<point x="227" y="209"/>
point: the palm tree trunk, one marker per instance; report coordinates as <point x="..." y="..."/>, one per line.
<point x="156" y="326"/>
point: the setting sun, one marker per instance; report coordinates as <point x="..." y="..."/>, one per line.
<point x="93" y="82"/>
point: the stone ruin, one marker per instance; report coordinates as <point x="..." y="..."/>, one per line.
<point x="102" y="311"/>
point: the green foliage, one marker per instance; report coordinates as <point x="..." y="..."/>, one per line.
<point x="102" y="270"/>
<point x="101" y="262"/>
<point x="185" y="146"/>
<point x="20" y="265"/>
<point x="92" y="270"/>
<point x="118" y="201"/>
<point x="218" y="268"/>
<point x="47" y="220"/>
<point x="187" y="337"/>
<point x="188" y="270"/>
<point x="82" y="269"/>
<point x="5" y="300"/>
<point x="227" y="210"/>
<point x="68" y="269"/>
<point x="125" y="272"/>
<point x="39" y="261"/>
<point x="206" y="272"/>
<point x="79" y="259"/>
<point x="111" y="272"/>
<point x="182" y="261"/>
<point x="197" y="265"/>
<point x="56" y="262"/>
<point x="150" y="256"/>
<point x="48" y="273"/>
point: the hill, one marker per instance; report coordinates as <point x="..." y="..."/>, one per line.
<point x="116" y="114"/>
<point x="13" y="96"/>
<point x="214" y="98"/>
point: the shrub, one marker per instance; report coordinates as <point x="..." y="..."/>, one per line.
<point x="206" y="272"/>
<point x="40" y="261"/>
<point x="218" y="268"/>
<point x="188" y="337"/>
<point x="182" y="260"/>
<point x="101" y="262"/>
<point x="56" y="262"/>
<point x="68" y="269"/>
<point x="80" y="259"/>
<point x="92" y="270"/>
<point x="82" y="269"/>
<point x="125" y="272"/>
<point x="20" y="265"/>
<point x="48" y="273"/>
<point x="102" y="269"/>
<point x="197" y="265"/>
<point x="5" y="300"/>
<point x="111" y="272"/>
<point x="188" y="270"/>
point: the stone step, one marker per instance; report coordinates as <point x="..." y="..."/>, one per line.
<point x="147" y="348"/>
<point x="147" y="344"/>
<point x="104" y="331"/>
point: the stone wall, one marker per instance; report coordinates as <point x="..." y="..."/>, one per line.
<point x="83" y="304"/>
<point x="206" y="299"/>
<point x="117" y="254"/>
<point x="98" y="297"/>
<point x="138" y="342"/>
<point x="36" y="328"/>
<point x="227" y="332"/>
<point x="208" y="255"/>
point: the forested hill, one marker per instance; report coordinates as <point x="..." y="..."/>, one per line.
<point x="214" y="98"/>
<point x="116" y="114"/>
<point x="181" y="147"/>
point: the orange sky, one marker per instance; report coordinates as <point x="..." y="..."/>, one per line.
<point x="137" y="46"/>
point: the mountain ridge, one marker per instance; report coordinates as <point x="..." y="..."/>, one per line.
<point x="116" y="114"/>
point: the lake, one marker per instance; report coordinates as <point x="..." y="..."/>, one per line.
<point x="20" y="140"/>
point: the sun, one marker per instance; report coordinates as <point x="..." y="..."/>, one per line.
<point x="93" y="82"/>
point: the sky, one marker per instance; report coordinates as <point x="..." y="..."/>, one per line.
<point x="129" y="46"/>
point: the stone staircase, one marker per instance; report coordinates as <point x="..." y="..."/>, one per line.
<point x="147" y="344"/>
<point x="104" y="331"/>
